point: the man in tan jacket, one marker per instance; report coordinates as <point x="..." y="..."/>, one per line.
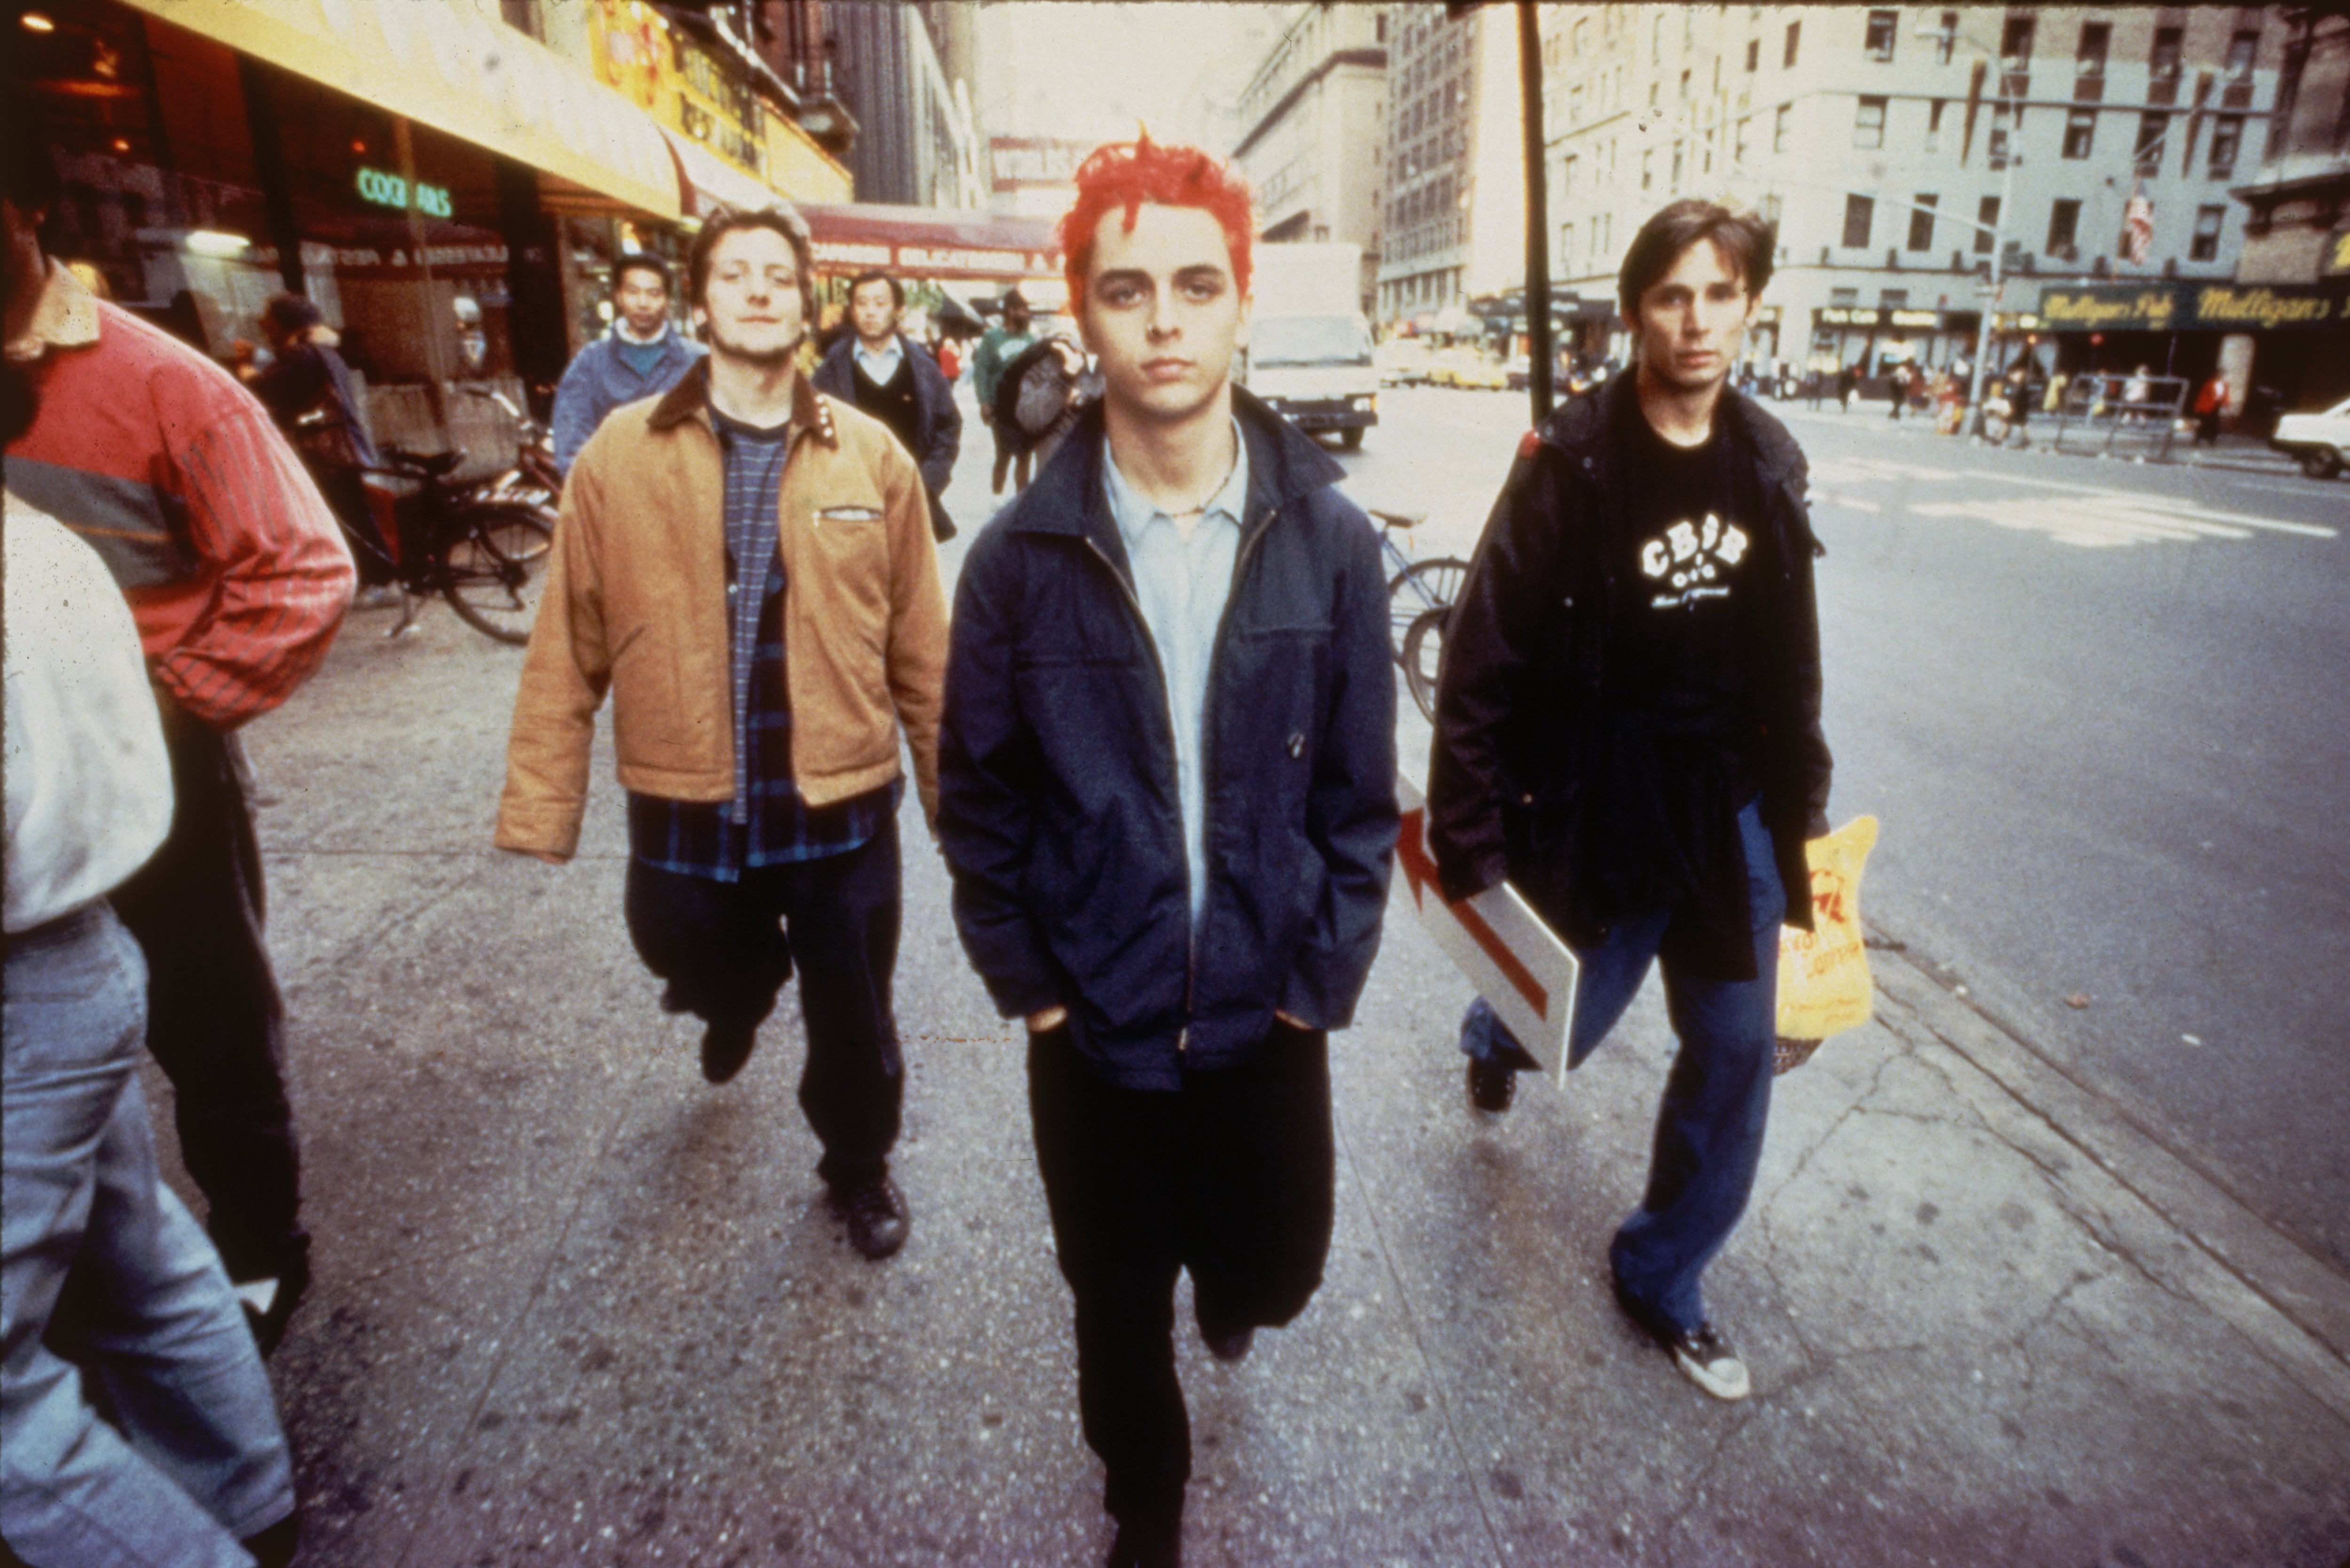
<point x="747" y="566"/>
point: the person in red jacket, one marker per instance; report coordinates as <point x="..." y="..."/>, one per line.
<point x="237" y="577"/>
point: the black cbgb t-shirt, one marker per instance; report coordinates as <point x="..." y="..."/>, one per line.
<point x="1690" y="551"/>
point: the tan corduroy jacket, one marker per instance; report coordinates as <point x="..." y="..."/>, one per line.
<point x="635" y="601"/>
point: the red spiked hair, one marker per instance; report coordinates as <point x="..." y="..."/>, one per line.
<point x="1128" y="173"/>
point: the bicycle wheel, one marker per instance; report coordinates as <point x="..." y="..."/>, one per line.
<point x="492" y="573"/>
<point x="1423" y="653"/>
<point x="1423" y="586"/>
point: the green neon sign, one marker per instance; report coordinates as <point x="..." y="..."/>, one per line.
<point x="391" y="191"/>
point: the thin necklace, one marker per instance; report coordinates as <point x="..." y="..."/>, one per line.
<point x="1214" y="490"/>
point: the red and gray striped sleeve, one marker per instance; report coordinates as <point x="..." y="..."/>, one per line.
<point x="281" y="574"/>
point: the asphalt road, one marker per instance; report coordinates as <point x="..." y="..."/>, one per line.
<point x="2093" y="704"/>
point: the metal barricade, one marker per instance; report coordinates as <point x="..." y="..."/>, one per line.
<point x="2134" y="416"/>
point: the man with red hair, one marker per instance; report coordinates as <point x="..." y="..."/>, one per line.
<point x="1167" y="774"/>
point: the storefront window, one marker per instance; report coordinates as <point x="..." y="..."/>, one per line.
<point x="162" y="202"/>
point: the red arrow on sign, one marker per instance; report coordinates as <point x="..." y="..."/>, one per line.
<point x="1419" y="871"/>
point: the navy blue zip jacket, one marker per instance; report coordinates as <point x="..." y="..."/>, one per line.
<point x="1058" y="811"/>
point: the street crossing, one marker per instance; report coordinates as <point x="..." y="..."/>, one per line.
<point x="2086" y="516"/>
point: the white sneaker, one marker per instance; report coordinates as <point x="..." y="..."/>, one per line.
<point x="1708" y="1360"/>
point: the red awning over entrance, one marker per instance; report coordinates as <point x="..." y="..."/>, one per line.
<point x="932" y="242"/>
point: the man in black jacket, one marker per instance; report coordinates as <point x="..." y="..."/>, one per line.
<point x="1167" y="799"/>
<point x="1627" y="729"/>
<point x="879" y="369"/>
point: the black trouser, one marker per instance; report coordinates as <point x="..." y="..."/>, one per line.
<point x="1230" y="1176"/>
<point x="727" y="947"/>
<point x="214" y="1019"/>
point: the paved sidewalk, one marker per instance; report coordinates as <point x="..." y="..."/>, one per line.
<point x="576" y="1305"/>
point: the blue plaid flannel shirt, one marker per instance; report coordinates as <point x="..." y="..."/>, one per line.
<point x="766" y="822"/>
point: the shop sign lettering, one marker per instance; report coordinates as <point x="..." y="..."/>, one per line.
<point x="1862" y="316"/>
<point x="391" y="191"/>
<point x="2221" y="306"/>
<point x="2337" y="262"/>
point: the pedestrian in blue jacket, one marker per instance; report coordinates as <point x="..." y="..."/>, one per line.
<point x="642" y="357"/>
<point x="1168" y="801"/>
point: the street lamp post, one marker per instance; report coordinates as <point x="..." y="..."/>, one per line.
<point x="1998" y="265"/>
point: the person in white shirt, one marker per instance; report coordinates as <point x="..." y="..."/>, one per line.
<point x="192" y="1467"/>
<point x="879" y="371"/>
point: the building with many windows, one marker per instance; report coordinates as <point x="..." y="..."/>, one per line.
<point x="1908" y="152"/>
<point x="1452" y="224"/>
<point x="1314" y="102"/>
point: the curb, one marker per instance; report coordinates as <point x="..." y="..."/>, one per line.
<point x="2238" y="1265"/>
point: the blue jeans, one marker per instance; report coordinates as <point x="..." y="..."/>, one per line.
<point x="1709" y="1138"/>
<point x="109" y="1291"/>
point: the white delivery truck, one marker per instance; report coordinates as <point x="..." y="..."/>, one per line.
<point x="1309" y="352"/>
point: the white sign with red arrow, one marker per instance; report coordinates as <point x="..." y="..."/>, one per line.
<point x="1517" y="964"/>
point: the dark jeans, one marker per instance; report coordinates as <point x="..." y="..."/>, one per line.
<point x="1717" y="1101"/>
<point x="1232" y="1177"/>
<point x="727" y="947"/>
<point x="214" y="1019"/>
<point x="1009" y="450"/>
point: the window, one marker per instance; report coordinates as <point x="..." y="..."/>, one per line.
<point x="1579" y="39"/>
<point x="1738" y="150"/>
<point x="1685" y="87"/>
<point x="1566" y="187"/>
<point x="2205" y="246"/>
<point x="1677" y="165"/>
<point x="1934" y="126"/>
<point x="1794" y="36"/>
<point x="2152" y="128"/>
<point x="1859" y="211"/>
<point x="2089" y="62"/>
<point x="1656" y="42"/>
<point x="1753" y="55"/>
<point x="1654" y="89"/>
<point x="1868" y="123"/>
<point x="1565" y="246"/>
<point x="2227" y="136"/>
<point x="1574" y="104"/>
<point x="2080" y="132"/>
<point x="2241" y="49"/>
<point x="2016" y="57"/>
<point x="1986" y="223"/>
<point x="1946" y="38"/>
<point x="1883" y="26"/>
<point x="2163" y="66"/>
<point x="1770" y="212"/>
<point x="1892" y="300"/>
<point x="1647" y="168"/>
<point x="1843" y="296"/>
<point x="1779" y="127"/>
<point x="1921" y="222"/>
<point x="1709" y="150"/>
<point x="2064" y="219"/>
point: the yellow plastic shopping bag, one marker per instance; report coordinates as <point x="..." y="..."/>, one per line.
<point x="1824" y="985"/>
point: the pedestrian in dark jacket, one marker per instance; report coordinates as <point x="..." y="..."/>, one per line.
<point x="310" y="390"/>
<point x="642" y="357"/>
<point x="879" y="370"/>
<point x="1627" y="729"/>
<point x="1167" y="799"/>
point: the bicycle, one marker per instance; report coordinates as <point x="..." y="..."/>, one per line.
<point x="534" y="479"/>
<point x="481" y="551"/>
<point x="1420" y="597"/>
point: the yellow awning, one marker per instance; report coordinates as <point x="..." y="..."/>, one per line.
<point x="445" y="63"/>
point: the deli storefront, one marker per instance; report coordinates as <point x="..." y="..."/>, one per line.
<point x="448" y="191"/>
<point x="1873" y="339"/>
<point x="2278" y="346"/>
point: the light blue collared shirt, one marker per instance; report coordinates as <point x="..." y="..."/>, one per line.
<point x="881" y="366"/>
<point x="1182" y="585"/>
